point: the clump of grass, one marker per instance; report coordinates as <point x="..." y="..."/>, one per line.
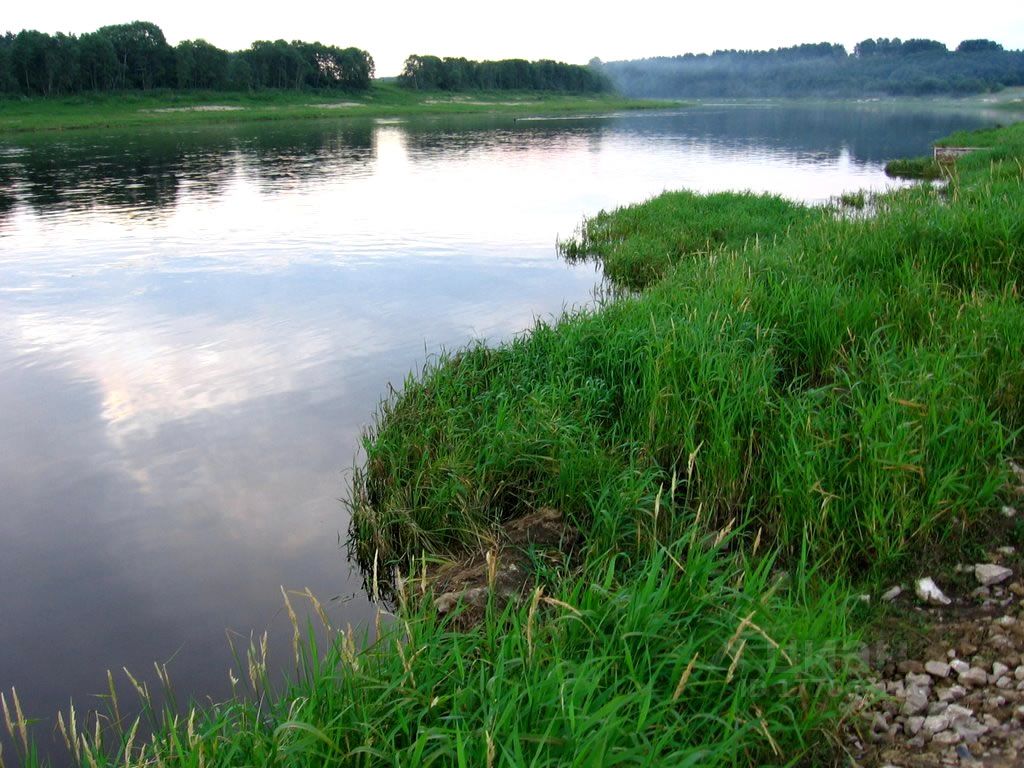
<point x="856" y="200"/>
<point x="688" y="656"/>
<point x="637" y="245"/>
<point x="815" y="380"/>
<point x="917" y="168"/>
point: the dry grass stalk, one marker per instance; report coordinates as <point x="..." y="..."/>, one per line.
<point x="530" y="618"/>
<point x="685" y="677"/>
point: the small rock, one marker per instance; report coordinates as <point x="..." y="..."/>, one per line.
<point x="1004" y="682"/>
<point x="910" y="667"/>
<point x="892" y="593"/>
<point x="959" y="666"/>
<point x="937" y="707"/>
<point x="989" y="573"/>
<point x="914" y="724"/>
<point x="1005" y="621"/>
<point x="967" y="649"/>
<point x="953" y="693"/>
<point x="1008" y="511"/>
<point x="864" y="598"/>
<point x="973" y="677"/>
<point x="970" y="729"/>
<point x="937" y="668"/>
<point x="956" y="712"/>
<point x="999" y="669"/>
<point x="918" y="679"/>
<point x="916" y="700"/>
<point x="1018" y="673"/>
<point x="1007" y="550"/>
<point x="946" y="737"/>
<point x="928" y="591"/>
<point x="935" y="724"/>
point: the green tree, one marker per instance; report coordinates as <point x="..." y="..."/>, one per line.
<point x="144" y="59"/>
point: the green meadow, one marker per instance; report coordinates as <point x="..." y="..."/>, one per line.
<point x="382" y="99"/>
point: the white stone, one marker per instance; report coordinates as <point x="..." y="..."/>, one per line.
<point x="988" y="574"/>
<point x="929" y="592"/>
<point x="1018" y="673"/>
<point x="1008" y="511"/>
<point x="937" y="668"/>
<point x="946" y="737"/>
<point x="999" y="670"/>
<point x="1006" y="550"/>
<point x="959" y="666"/>
<point x="892" y="593"/>
<point x="1004" y="682"/>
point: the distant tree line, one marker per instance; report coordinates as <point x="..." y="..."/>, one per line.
<point x="137" y="56"/>
<point x="881" y="66"/>
<point x="458" y="74"/>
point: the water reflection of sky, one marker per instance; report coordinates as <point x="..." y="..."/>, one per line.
<point x="196" y="325"/>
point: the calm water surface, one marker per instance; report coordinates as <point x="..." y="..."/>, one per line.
<point x="196" y="324"/>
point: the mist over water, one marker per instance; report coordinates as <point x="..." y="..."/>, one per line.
<point x="196" y="324"/>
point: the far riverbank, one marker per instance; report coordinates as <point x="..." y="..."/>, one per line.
<point x="168" y="107"/>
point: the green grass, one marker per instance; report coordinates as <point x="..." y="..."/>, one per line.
<point x="782" y="407"/>
<point x="132" y="109"/>
<point x="914" y="168"/>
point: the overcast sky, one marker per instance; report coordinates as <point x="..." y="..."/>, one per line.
<point x="568" y="30"/>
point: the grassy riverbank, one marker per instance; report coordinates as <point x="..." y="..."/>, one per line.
<point x="784" y="407"/>
<point x="143" y="108"/>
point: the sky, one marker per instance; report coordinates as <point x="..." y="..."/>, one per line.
<point x="567" y="30"/>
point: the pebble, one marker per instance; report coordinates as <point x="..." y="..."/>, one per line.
<point x="959" y="666"/>
<point x="953" y="693"/>
<point x="988" y="574"/>
<point x="928" y="591"/>
<point x="973" y="677"/>
<point x="914" y="725"/>
<point x="937" y="668"/>
<point x="999" y="670"/>
<point x="892" y="593"/>
<point x="935" y="724"/>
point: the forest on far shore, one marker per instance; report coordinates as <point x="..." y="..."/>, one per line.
<point x="876" y="67"/>
<point x="137" y="56"/>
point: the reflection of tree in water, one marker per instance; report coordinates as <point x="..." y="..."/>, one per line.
<point x="281" y="157"/>
<point x="458" y="138"/>
<point x="145" y="173"/>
